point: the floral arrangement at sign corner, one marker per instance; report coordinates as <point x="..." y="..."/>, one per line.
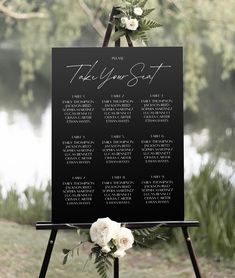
<point x="131" y="22"/>
<point x="111" y="240"/>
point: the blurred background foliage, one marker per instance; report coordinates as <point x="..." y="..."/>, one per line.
<point x="211" y="198"/>
<point x="26" y="208"/>
<point x="204" y="28"/>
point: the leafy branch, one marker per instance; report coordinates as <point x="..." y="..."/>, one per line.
<point x="131" y="21"/>
<point x="16" y="15"/>
<point x="103" y="261"/>
<point x="70" y="252"/>
<point x="143" y="236"/>
<point x="105" y="250"/>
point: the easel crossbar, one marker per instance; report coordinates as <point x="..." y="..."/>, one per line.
<point x="48" y="225"/>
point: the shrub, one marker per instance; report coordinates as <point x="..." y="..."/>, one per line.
<point x="210" y="198"/>
<point x="27" y="208"/>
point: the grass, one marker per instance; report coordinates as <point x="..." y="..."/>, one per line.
<point x="22" y="250"/>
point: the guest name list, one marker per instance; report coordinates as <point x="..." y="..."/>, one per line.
<point x="117" y="134"/>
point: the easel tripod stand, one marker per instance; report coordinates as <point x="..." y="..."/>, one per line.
<point x="184" y="225"/>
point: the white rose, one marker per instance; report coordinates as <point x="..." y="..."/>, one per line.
<point x="119" y="253"/>
<point x="132" y="24"/>
<point x="138" y="11"/>
<point x="124" y="239"/>
<point x="103" y="230"/>
<point x="123" y="21"/>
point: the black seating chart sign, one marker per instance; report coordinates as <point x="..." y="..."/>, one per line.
<point x="117" y="134"/>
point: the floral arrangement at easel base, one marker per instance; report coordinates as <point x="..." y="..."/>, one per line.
<point x="131" y="21"/>
<point x="111" y="240"/>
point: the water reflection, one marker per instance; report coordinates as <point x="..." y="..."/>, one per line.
<point x="25" y="152"/>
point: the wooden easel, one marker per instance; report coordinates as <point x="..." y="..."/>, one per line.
<point x="184" y="225"/>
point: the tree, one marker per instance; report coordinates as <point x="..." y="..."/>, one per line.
<point x="204" y="28"/>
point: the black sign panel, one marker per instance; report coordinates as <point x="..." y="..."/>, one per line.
<point x="117" y="134"/>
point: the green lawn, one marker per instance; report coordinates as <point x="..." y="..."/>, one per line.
<point x="22" y="249"/>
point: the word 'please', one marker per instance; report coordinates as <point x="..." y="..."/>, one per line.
<point x="139" y="71"/>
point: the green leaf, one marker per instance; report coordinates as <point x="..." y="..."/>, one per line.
<point x="142" y="4"/>
<point x="147" y="234"/>
<point x="140" y="243"/>
<point x="66" y="251"/>
<point x="102" y="262"/>
<point x="148" y="23"/>
<point x="117" y="35"/>
<point x="143" y="37"/>
<point x="96" y="249"/>
<point x="119" y="15"/>
<point x="143" y="28"/>
<point x="65" y="259"/>
<point x="121" y="10"/>
<point x="147" y="12"/>
<point x="133" y="35"/>
<point x="136" y="2"/>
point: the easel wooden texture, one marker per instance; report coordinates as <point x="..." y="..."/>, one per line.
<point x="184" y="225"/>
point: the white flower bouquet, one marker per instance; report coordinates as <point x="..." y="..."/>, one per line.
<point x="111" y="240"/>
<point x="131" y="22"/>
<point x="111" y="237"/>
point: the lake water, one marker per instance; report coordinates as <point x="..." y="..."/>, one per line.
<point x="25" y="152"/>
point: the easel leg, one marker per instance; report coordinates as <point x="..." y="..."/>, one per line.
<point x="118" y="42"/>
<point x="47" y="256"/>
<point x="109" y="28"/>
<point x="191" y="252"/>
<point x="116" y="268"/>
